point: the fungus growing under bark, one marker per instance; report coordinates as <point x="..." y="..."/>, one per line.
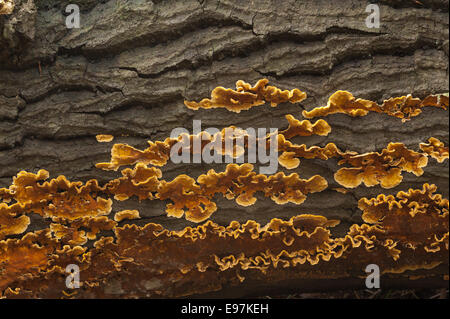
<point x="245" y="97"/>
<point x="403" y="107"/>
<point x="436" y="149"/>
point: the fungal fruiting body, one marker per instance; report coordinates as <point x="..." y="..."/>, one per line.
<point x="305" y="128"/>
<point x="158" y="153"/>
<point x="6" y="6"/>
<point x="246" y="96"/>
<point x="126" y="214"/>
<point x="436" y="149"/>
<point x="104" y="138"/>
<point x="403" y="107"/>
<point x="192" y="198"/>
<point x="382" y="168"/>
<point x="400" y="233"/>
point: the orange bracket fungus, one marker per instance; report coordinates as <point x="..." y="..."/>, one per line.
<point x="6" y="6"/>
<point x="305" y="128"/>
<point x="57" y="197"/>
<point x="122" y="154"/>
<point x="436" y="149"/>
<point x="126" y="214"/>
<point x="193" y="198"/>
<point x="104" y="138"/>
<point x="291" y="152"/>
<point x="401" y="233"/>
<point x="245" y="97"/>
<point x="12" y="220"/>
<point x="416" y="217"/>
<point x="70" y="232"/>
<point x="382" y="168"/>
<point x="403" y="107"/>
<point x="141" y="181"/>
<point x="158" y="153"/>
<point x="239" y="182"/>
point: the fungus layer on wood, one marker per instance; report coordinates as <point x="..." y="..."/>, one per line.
<point x="158" y="153"/>
<point x="384" y="168"/>
<point x="194" y="198"/>
<point x="155" y="262"/>
<point x="403" y="107"/>
<point x="246" y="96"/>
<point x="189" y="197"/>
<point x="436" y="149"/>
<point x="401" y="234"/>
<point x="126" y="214"/>
<point x="6" y="6"/>
<point x="104" y="138"/>
<point x="305" y="128"/>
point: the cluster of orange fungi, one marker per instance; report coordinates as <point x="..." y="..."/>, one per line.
<point x="401" y="233"/>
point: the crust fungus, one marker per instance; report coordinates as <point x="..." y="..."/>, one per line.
<point x="373" y="168"/>
<point x="436" y="149"/>
<point x="12" y="220"/>
<point x="383" y="168"/>
<point x="164" y="263"/>
<point x="301" y="247"/>
<point x="80" y="230"/>
<point x="6" y="195"/>
<point x="122" y="154"/>
<point x="401" y="233"/>
<point x="31" y="258"/>
<point x="403" y="107"/>
<point x="159" y="152"/>
<point x="305" y="128"/>
<point x="6" y="6"/>
<point x="141" y="181"/>
<point x="239" y="182"/>
<point x="104" y="138"/>
<point x="291" y="152"/>
<point x="126" y="214"/>
<point x="416" y="217"/>
<point x="245" y="97"/>
<point x="58" y="197"/>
